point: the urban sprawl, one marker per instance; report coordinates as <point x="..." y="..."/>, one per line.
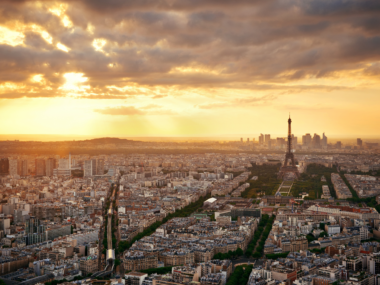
<point x="234" y="213"/>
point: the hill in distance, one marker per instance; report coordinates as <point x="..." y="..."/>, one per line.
<point x="108" y="140"/>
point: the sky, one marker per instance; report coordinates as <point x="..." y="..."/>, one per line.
<point x="190" y="67"/>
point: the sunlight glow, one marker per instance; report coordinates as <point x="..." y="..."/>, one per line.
<point x="10" y="86"/>
<point x="47" y="37"/>
<point x="90" y="28"/>
<point x="9" y="37"/>
<point x="73" y="82"/>
<point x="37" y="78"/>
<point x="67" y="22"/>
<point x="62" y="47"/>
<point x="60" y="12"/>
<point x="191" y="69"/>
<point x="98" y="44"/>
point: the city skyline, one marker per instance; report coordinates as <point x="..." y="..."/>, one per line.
<point x="183" y="69"/>
<point x="253" y="138"/>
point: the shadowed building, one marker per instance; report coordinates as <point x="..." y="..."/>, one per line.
<point x="4" y="166"/>
<point x="40" y="167"/>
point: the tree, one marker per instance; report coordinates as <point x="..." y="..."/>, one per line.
<point x="184" y="212"/>
<point x="160" y="270"/>
<point x="256" y="255"/>
<point x="278" y="255"/>
<point x="239" y="252"/>
<point x="310" y="238"/>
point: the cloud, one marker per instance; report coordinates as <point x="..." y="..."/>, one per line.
<point x="102" y="97"/>
<point x="159" y="96"/>
<point x="188" y="44"/>
<point x="373" y="69"/>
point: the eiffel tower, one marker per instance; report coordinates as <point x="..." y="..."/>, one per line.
<point x="289" y="157"/>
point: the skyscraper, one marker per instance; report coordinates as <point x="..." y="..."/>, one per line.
<point x="63" y="163"/>
<point x="261" y="139"/>
<point x="359" y="142"/>
<point x="34" y="231"/>
<point x="32" y="225"/>
<point x="306" y="140"/>
<point x="63" y="167"/>
<point x="13" y="167"/>
<point x="324" y="140"/>
<point x="93" y="164"/>
<point x="294" y="140"/>
<point x="50" y="166"/>
<point x="100" y="167"/>
<point x="22" y="167"/>
<point x="267" y="138"/>
<point x="280" y="142"/>
<point x="87" y="168"/>
<point x="93" y="167"/>
<point x="19" y="167"/>
<point x="40" y="167"/>
<point x="4" y="166"/>
<point x="316" y="141"/>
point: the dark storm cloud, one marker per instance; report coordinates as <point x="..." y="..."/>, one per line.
<point x="340" y="7"/>
<point x="373" y="70"/>
<point x="150" y="42"/>
<point x="101" y="7"/>
<point x="362" y="48"/>
<point x="35" y="40"/>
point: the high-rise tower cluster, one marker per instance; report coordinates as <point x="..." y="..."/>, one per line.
<point x="93" y="167"/>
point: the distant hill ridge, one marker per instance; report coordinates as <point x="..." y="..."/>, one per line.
<point x="108" y="140"/>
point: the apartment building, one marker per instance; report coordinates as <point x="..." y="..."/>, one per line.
<point x="88" y="265"/>
<point x="139" y="260"/>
